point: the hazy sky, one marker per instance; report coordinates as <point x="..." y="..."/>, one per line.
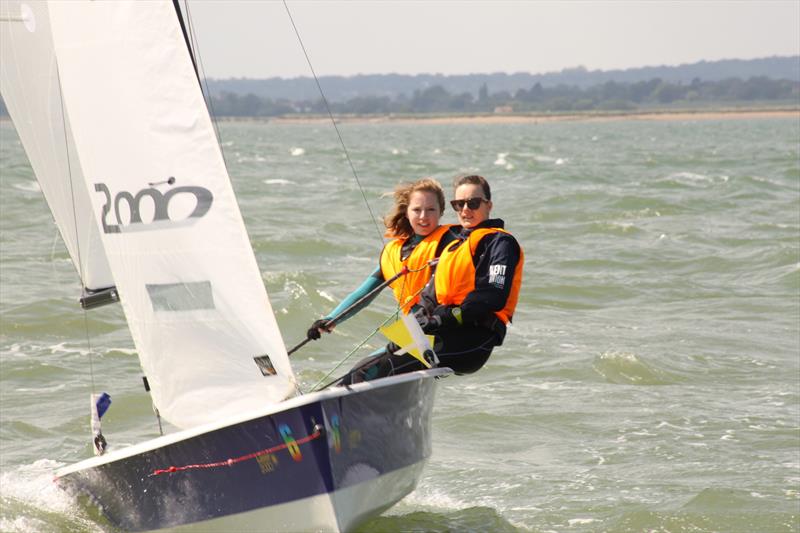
<point x="254" y="38"/>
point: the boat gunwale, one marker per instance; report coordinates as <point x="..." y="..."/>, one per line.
<point x="291" y="403"/>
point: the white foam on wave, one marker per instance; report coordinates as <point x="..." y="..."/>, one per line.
<point x="619" y="356"/>
<point x="277" y="181"/>
<point x="62" y="347"/>
<point x="28" y="186"/>
<point x="762" y="179"/>
<point x="327" y="296"/>
<point x="351" y="259"/>
<point x="251" y="159"/>
<point x="32" y="486"/>
<point x="689" y="177"/>
<point x="24" y="350"/>
<point x="665" y="424"/>
<point x="501" y="159"/>
<point x="295" y="289"/>
<point x="549" y="159"/>
<point x="581" y="521"/>
<point x="297" y="151"/>
<point x="547" y="385"/>
<point x="623" y="227"/>
<point x="53" y="388"/>
<point x="628" y="368"/>
<point x="434" y="499"/>
<point x="469" y="170"/>
<point x="13" y="350"/>
<point x="123" y="351"/>
<point x="21" y="524"/>
<point x="695" y="179"/>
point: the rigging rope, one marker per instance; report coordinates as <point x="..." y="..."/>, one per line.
<point x="197" y="60"/>
<point x="393" y="316"/>
<point x="199" y="63"/>
<point x="333" y="121"/>
<point x="358" y="182"/>
<point x="77" y="235"/>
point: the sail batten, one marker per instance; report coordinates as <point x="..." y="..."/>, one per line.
<point x="161" y="203"/>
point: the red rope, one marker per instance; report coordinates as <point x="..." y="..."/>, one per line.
<point x="230" y="462"/>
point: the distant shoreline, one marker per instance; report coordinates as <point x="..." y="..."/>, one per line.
<point x="512" y="118"/>
<point x="530" y="118"/>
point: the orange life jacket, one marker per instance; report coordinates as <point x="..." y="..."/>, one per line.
<point x="407" y="288"/>
<point x="455" y="273"/>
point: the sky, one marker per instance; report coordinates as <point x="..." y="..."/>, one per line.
<point x="255" y="38"/>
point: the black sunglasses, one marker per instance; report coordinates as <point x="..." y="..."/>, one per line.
<point x="472" y="203"/>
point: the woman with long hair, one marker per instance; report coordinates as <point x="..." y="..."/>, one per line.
<point x="416" y="239"/>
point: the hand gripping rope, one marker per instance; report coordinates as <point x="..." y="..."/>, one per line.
<point x="333" y="321"/>
<point x="337" y="318"/>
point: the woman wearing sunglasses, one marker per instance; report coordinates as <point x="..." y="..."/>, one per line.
<point x="472" y="295"/>
<point x="474" y="291"/>
<point x="417" y="238"/>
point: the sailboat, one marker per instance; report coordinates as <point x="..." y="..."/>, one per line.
<point x="109" y="108"/>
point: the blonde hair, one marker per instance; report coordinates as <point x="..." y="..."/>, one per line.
<point x="396" y="222"/>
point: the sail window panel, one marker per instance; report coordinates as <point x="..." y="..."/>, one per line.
<point x="186" y="296"/>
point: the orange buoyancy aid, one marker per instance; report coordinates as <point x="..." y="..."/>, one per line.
<point x="455" y="274"/>
<point x="407" y="288"/>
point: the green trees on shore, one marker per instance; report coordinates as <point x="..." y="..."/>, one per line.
<point x="608" y="96"/>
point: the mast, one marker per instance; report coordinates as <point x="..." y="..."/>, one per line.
<point x="188" y="41"/>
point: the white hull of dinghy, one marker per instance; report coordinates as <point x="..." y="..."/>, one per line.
<point x="326" y="461"/>
<point x="335" y="512"/>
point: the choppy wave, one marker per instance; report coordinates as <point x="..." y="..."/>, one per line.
<point x="629" y="369"/>
<point x="693" y="179"/>
<point x="28" y="186"/>
<point x="33" y="504"/>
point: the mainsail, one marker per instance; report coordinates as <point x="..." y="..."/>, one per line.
<point x="30" y="89"/>
<point x="162" y="200"/>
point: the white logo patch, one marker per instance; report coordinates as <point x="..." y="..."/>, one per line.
<point x="497" y="275"/>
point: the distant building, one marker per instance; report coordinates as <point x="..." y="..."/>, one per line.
<point x="503" y="109"/>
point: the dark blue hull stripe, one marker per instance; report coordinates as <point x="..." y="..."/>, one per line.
<point x="290" y="455"/>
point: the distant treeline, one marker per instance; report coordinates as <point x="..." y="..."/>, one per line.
<point x="607" y="96"/>
<point x="344" y="88"/>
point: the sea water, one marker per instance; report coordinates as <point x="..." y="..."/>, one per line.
<point x="651" y="378"/>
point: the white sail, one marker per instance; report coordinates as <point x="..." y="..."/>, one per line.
<point x="30" y="89"/>
<point x="190" y="287"/>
